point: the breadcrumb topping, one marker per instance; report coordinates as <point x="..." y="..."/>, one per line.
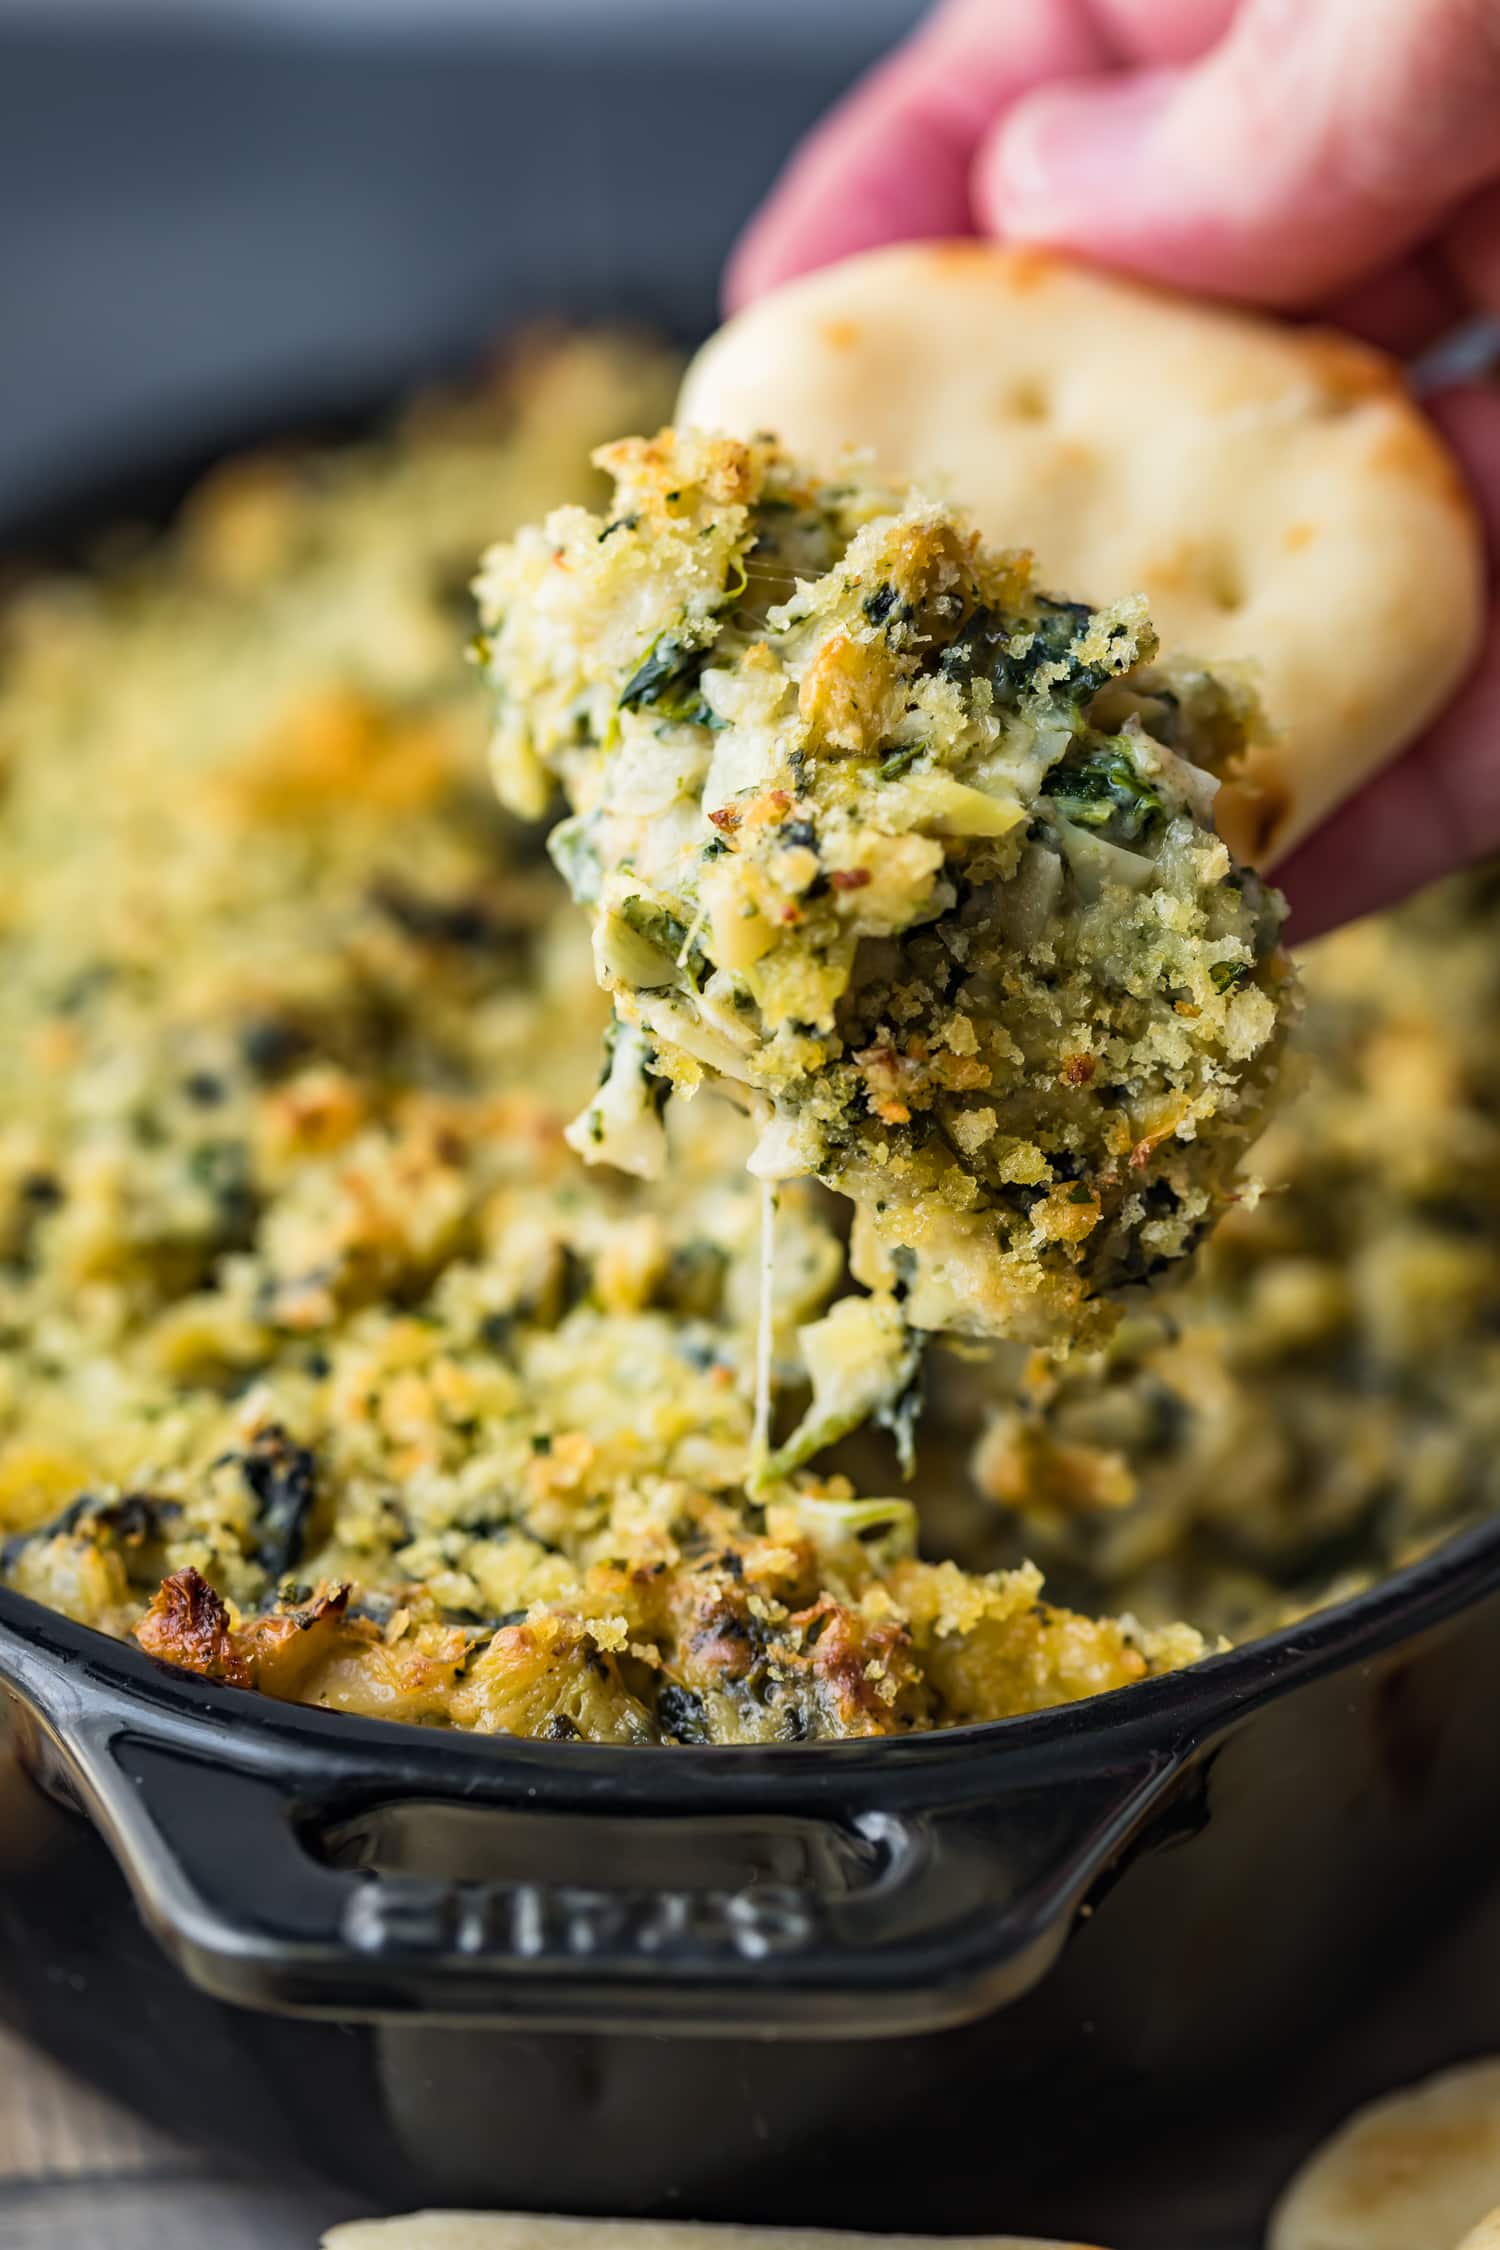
<point x="914" y="857"/>
<point x="331" y="1369"/>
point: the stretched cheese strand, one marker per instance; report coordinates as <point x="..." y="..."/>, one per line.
<point x="760" y="1443"/>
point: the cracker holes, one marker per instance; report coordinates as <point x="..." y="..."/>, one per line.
<point x="1223" y="584"/>
<point x="1024" y="401"/>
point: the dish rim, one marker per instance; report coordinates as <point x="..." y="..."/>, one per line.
<point x="1179" y="1707"/>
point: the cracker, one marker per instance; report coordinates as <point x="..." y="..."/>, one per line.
<point x="1411" y="2172"/>
<point x="1273" y="491"/>
<point x="475" y="2230"/>
<point x="1486" y="2236"/>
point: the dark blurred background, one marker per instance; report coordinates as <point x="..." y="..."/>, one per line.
<point x="216" y="212"/>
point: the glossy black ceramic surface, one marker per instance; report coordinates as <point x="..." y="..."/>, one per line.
<point x="714" y="1982"/>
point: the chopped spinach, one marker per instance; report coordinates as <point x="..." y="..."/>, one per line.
<point x="680" y="1715"/>
<point x="1056" y="629"/>
<point x="985" y="648"/>
<point x="886" y="607"/>
<point x="1228" y="976"/>
<point x="1104" y="791"/>
<point x="661" y="929"/>
<point x="892" y="768"/>
<point x="135" y="1519"/>
<point x="283" y="1478"/>
<point x="668" y="681"/>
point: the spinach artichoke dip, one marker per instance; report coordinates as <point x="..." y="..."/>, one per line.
<point x="331" y="1370"/>
<point x="917" y="859"/>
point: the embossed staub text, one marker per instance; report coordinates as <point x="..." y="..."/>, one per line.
<point x="402" y="1917"/>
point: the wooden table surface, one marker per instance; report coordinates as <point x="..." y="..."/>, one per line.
<point x="77" y="2173"/>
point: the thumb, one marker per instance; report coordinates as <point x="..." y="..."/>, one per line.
<point x="1318" y="140"/>
<point x="892" y="161"/>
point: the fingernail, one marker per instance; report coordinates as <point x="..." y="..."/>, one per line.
<point x="1064" y="152"/>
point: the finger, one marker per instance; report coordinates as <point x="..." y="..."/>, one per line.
<point x="1310" y="147"/>
<point x="1471" y="249"/>
<point x="1403" y="309"/>
<point x="1163" y="31"/>
<point x="1468" y="415"/>
<point x="1439" y="807"/>
<point x="892" y="161"/>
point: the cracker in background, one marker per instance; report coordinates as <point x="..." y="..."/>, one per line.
<point x="476" y="2230"/>
<point x="1486" y="2235"/>
<point x="1273" y="491"/>
<point x="1412" y="2172"/>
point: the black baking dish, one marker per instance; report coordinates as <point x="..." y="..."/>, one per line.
<point x="929" y="1983"/>
<point x="920" y="1983"/>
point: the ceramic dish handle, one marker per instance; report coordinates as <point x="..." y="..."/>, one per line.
<point x="947" y="1902"/>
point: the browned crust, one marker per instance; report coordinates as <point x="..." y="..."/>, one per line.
<point x="1020" y="271"/>
<point x="188" y="1624"/>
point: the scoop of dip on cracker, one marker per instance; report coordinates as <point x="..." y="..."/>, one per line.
<point x="916" y="860"/>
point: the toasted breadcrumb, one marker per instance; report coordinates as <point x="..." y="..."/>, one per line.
<point x="304" y="1289"/>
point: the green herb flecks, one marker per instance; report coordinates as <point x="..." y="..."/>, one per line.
<point x="1104" y="791"/>
<point x="1229" y="976"/>
<point x="668" y="681"/>
<point x="668" y="936"/>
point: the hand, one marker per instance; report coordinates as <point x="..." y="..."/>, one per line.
<point x="1340" y="157"/>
